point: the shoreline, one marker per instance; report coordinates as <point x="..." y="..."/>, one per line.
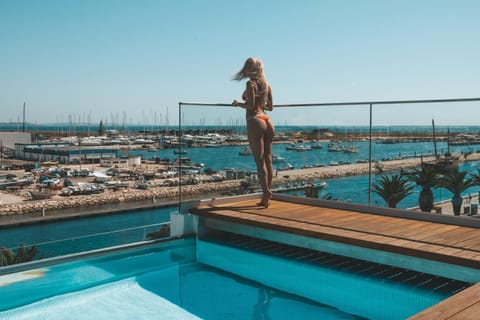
<point x="15" y="207"/>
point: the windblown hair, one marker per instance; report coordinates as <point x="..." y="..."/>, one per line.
<point x="253" y="69"/>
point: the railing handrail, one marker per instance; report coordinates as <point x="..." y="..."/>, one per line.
<point x="346" y="103"/>
<point x="91" y="235"/>
<point x="370" y="104"/>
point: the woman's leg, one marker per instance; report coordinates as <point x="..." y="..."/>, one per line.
<point x="256" y="129"/>
<point x="268" y="154"/>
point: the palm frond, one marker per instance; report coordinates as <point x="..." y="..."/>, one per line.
<point x="393" y="189"/>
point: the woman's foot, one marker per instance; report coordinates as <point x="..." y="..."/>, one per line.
<point x="265" y="201"/>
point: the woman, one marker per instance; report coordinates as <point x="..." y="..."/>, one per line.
<point x="258" y="98"/>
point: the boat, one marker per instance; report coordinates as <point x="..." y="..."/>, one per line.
<point x="42" y="194"/>
<point x="179" y="151"/>
<point x="316" y="146"/>
<point x="334" y="147"/>
<point x="442" y="164"/>
<point x="298" y="148"/>
<point x="280" y="163"/>
<point x="361" y="161"/>
<point x="286" y="166"/>
<point x="320" y="185"/>
<point x="245" y="151"/>
<point x="350" y="149"/>
<point x="212" y="145"/>
<point x="277" y="159"/>
<point x="445" y="164"/>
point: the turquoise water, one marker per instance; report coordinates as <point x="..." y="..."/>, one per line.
<point x="228" y="157"/>
<point x="188" y="279"/>
<point x="48" y="235"/>
<point x="354" y="189"/>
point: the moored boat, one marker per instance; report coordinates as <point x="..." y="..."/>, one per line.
<point x="298" y="148"/>
<point x="43" y="194"/>
<point x="245" y="151"/>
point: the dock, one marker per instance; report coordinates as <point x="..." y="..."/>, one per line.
<point x="431" y="237"/>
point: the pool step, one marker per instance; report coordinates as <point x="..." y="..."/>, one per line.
<point x="340" y="263"/>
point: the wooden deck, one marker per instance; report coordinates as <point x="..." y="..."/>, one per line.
<point x="398" y="231"/>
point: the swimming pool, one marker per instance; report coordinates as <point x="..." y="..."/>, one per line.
<point x="206" y="278"/>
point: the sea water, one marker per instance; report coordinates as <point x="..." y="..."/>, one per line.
<point x="54" y="238"/>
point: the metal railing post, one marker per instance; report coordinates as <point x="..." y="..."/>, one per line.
<point x="370" y="158"/>
<point x="179" y="158"/>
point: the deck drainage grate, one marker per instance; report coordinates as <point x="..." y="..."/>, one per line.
<point x="340" y="263"/>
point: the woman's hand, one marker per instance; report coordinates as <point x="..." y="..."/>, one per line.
<point x="236" y="103"/>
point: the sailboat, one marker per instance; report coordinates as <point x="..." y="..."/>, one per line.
<point x="442" y="164"/>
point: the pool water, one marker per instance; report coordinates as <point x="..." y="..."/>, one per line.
<point x="192" y="279"/>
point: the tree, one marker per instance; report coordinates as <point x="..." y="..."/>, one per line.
<point x="456" y="182"/>
<point x="475" y="178"/>
<point x="392" y="189"/>
<point x="23" y="254"/>
<point x="425" y="177"/>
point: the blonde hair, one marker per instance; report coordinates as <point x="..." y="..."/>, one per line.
<point x="252" y="68"/>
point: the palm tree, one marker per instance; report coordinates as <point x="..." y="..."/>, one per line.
<point x="476" y="178"/>
<point x="23" y="254"/>
<point x="456" y="182"/>
<point x="392" y="189"/>
<point x="426" y="177"/>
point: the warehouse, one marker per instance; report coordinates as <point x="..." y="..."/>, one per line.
<point x="63" y="153"/>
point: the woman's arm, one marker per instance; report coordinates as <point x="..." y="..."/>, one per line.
<point x="249" y="103"/>
<point x="269" y="105"/>
<point x="250" y="93"/>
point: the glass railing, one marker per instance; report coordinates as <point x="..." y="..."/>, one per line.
<point x="372" y="153"/>
<point x="83" y="242"/>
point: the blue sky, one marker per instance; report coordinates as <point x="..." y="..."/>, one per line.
<point x="132" y="61"/>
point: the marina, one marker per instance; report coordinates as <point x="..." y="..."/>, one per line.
<point x="207" y="169"/>
<point x="407" y="246"/>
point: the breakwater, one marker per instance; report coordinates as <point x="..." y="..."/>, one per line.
<point x="35" y="208"/>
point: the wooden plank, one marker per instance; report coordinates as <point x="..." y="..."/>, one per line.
<point x="470" y="313"/>
<point x="462" y="306"/>
<point x="410" y="237"/>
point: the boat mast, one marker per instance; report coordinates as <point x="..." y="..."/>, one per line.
<point x="23" y="123"/>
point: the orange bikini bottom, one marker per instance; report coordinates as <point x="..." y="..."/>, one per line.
<point x="263" y="117"/>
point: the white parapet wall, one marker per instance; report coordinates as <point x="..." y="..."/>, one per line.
<point x="183" y="224"/>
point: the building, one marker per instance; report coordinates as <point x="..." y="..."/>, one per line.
<point x="63" y="153"/>
<point x="9" y="139"/>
